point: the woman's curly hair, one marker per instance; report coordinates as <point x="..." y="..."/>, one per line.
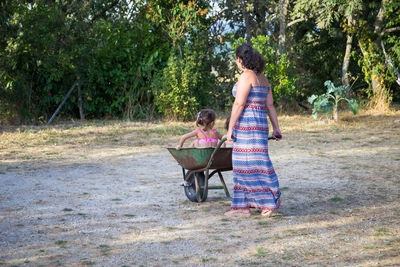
<point x="251" y="58"/>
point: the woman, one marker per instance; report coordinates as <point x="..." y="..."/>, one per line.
<point x="255" y="182"/>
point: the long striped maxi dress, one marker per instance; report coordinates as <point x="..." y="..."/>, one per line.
<point x="255" y="181"/>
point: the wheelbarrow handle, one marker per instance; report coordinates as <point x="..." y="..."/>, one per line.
<point x="215" y="150"/>
<point x="274" y="138"/>
<point x="224" y="139"/>
<point x="221" y="142"/>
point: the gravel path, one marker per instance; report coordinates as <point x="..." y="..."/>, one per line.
<point x="130" y="210"/>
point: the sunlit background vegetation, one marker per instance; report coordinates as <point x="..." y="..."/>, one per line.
<point x="141" y="60"/>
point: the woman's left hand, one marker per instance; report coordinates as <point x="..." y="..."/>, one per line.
<point x="277" y="134"/>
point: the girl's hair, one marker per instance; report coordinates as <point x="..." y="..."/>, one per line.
<point x="205" y="117"/>
<point x="228" y="119"/>
<point x="250" y="57"/>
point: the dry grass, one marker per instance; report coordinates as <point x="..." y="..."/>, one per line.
<point x="108" y="194"/>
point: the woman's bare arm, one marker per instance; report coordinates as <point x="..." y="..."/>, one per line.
<point x="269" y="104"/>
<point x="242" y="92"/>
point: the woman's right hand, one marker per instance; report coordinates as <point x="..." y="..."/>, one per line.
<point x="178" y="147"/>
<point x="229" y="136"/>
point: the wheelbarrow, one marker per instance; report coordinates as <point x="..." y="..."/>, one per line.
<point x="196" y="164"/>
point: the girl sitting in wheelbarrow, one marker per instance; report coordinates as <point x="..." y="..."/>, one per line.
<point x="206" y="136"/>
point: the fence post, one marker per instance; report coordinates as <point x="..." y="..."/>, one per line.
<point x="80" y="100"/>
<point x="62" y="103"/>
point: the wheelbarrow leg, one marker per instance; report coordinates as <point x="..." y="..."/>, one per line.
<point x="198" y="195"/>
<point x="223" y="184"/>
<point x="205" y="192"/>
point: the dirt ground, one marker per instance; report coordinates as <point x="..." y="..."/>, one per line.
<point x="109" y="194"/>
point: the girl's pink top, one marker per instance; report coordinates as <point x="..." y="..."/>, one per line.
<point x="207" y="139"/>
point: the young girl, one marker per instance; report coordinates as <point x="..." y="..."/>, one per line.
<point x="206" y="136"/>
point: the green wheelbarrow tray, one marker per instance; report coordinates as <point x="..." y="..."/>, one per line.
<point x="198" y="158"/>
<point x="196" y="161"/>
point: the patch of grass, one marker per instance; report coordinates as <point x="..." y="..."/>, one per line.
<point x="129" y="215"/>
<point x="292" y="231"/>
<point x="208" y="259"/>
<point x="192" y="210"/>
<point x="88" y="263"/>
<point x="390" y="242"/>
<point x="218" y="238"/>
<point x="277" y="236"/>
<point x="288" y="257"/>
<point x="171" y="228"/>
<point x="383" y="231"/>
<point x="104" y="249"/>
<point x="263" y="223"/>
<point x="336" y="199"/>
<point x="116" y="199"/>
<point x="60" y="242"/>
<point x="163" y="131"/>
<point x="81" y="214"/>
<point x="309" y="253"/>
<point x="225" y="220"/>
<point x="260" y="252"/>
<point x="370" y="247"/>
<point x="320" y="154"/>
<point x="67" y="209"/>
<point x="261" y="239"/>
<point x="285" y="188"/>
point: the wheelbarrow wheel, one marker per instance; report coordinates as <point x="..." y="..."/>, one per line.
<point x="190" y="188"/>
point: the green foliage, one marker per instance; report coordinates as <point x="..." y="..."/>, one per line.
<point x="121" y="70"/>
<point x="182" y="86"/>
<point x="125" y="53"/>
<point x="328" y="103"/>
<point x="278" y="69"/>
<point x="172" y="97"/>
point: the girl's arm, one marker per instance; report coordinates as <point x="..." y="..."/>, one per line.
<point x="184" y="137"/>
<point x="269" y="104"/>
<point x="242" y="91"/>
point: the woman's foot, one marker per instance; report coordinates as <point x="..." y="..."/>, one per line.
<point x="238" y="212"/>
<point x="266" y="213"/>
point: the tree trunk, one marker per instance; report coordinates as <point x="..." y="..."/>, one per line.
<point x="379" y="20"/>
<point x="346" y="59"/>
<point x="381" y="98"/>
<point x="246" y="22"/>
<point x="335" y="113"/>
<point x="283" y="6"/>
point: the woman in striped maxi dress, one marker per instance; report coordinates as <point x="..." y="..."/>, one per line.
<point x="255" y="182"/>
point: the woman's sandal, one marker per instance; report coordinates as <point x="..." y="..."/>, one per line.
<point x="238" y="213"/>
<point x="266" y="213"/>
